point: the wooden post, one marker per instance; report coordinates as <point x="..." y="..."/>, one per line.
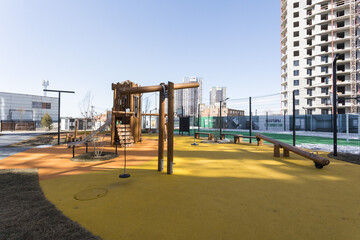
<point x="170" y="142"/>
<point x="161" y="131"/>
<point x="276" y="150"/>
<point x="113" y="123"/>
<point x="286" y="153"/>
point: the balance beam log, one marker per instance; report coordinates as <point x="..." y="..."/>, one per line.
<point x="156" y="88"/>
<point x="319" y="161"/>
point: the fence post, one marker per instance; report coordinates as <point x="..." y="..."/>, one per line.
<point x="284" y="122"/>
<point x="334" y="104"/>
<point x="267" y="121"/>
<point x="293" y="120"/>
<point x="250" y="115"/>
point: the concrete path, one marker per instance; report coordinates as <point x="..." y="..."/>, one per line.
<point x="9" y="138"/>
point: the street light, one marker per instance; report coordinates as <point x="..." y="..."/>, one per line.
<point x="221" y="101"/>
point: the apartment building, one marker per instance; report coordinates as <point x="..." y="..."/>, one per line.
<point x="312" y="32"/>
<point x="217" y="94"/>
<point x="186" y="100"/>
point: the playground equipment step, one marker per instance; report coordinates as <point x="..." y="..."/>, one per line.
<point x="123" y="125"/>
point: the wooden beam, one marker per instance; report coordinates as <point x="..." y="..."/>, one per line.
<point x="123" y="112"/>
<point x="320" y="160"/>
<point x="152" y="114"/>
<point x="156" y="88"/>
<point x="161" y="131"/>
<point x="170" y="142"/>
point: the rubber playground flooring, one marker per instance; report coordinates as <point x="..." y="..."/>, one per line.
<point x="217" y="191"/>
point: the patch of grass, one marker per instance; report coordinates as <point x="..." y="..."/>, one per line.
<point x="25" y="213"/>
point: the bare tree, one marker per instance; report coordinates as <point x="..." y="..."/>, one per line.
<point x="87" y="110"/>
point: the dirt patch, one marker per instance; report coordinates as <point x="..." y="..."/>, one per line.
<point x="25" y="213"/>
<point x="45" y="139"/>
<point x="346" y="157"/>
<point x="89" y="157"/>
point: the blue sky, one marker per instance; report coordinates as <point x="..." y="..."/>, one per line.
<point x="87" y="45"/>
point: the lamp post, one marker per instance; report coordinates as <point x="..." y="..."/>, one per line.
<point x="221" y="101"/>
<point x="59" y="92"/>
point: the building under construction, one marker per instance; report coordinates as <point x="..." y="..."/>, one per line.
<point x="312" y="32"/>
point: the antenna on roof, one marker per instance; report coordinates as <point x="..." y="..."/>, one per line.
<point x="45" y="84"/>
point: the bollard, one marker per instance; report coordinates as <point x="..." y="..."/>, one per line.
<point x="73" y="151"/>
<point x="116" y="148"/>
<point x="86" y="147"/>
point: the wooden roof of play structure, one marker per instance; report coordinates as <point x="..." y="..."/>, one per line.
<point x="127" y="96"/>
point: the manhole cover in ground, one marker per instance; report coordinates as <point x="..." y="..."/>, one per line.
<point x="91" y="194"/>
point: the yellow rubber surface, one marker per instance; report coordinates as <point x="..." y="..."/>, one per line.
<point x="217" y="191"/>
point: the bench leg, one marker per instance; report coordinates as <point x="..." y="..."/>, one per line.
<point x="222" y="137"/>
<point x="210" y="137"/>
<point x="286" y="153"/>
<point x="236" y="140"/>
<point x="197" y="136"/>
<point x="260" y="142"/>
<point x="240" y="139"/>
<point x="276" y="150"/>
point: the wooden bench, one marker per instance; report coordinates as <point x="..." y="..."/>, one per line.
<point x="320" y="162"/>
<point x="236" y="137"/>
<point x="210" y="135"/>
<point x="260" y="142"/>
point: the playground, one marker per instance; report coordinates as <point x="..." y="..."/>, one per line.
<point x="217" y="191"/>
<point x="172" y="188"/>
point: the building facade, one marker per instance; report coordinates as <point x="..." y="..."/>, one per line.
<point x="187" y="100"/>
<point x="214" y="111"/>
<point x="217" y="94"/>
<point x="312" y="32"/>
<point x="25" y="107"/>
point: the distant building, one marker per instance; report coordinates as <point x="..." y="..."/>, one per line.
<point x="26" y="107"/>
<point x="214" y="111"/>
<point x="217" y="94"/>
<point x="186" y="100"/>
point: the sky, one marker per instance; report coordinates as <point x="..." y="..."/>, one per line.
<point x="86" y="45"/>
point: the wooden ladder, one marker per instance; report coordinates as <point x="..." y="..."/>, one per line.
<point x="124" y="133"/>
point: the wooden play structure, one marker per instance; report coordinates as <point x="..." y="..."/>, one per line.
<point x="320" y="162"/>
<point x="126" y="114"/>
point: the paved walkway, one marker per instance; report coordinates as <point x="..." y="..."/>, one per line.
<point x="8" y="138"/>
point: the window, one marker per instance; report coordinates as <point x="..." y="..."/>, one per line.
<point x="296" y="34"/>
<point x="296" y="43"/>
<point x="325" y="90"/>
<point x="296" y="82"/>
<point x="296" y="14"/>
<point x="296" y="63"/>
<point x="41" y="105"/>
<point x="340" y="46"/>
<point x="296" y="53"/>
<point x="340" y="35"/>
<point x="297" y="102"/>
<point x="325" y="101"/>
<point x="308" y="22"/>
<point x="296" y="111"/>
<point x="324" y="58"/>
<point x="325" y="80"/>
<point x="324" y="69"/>
<point x="309" y="102"/>
<point x="296" y="72"/>
<point x="309" y="42"/>
<point x="340" y="13"/>
<point x="309" y="81"/>
<point x="324" y="111"/>
<point x="296" y="92"/>
<point x="309" y="32"/>
<point x="309" y="62"/>
<point x="340" y="24"/>
<point x="324" y="48"/>
<point x="296" y="5"/>
<point x="341" y="68"/>
<point x="324" y="37"/>
<point x="309" y="72"/>
<point x="296" y="24"/>
<point x="341" y="78"/>
<point x="324" y="17"/>
<point x="308" y="2"/>
<point x="324" y="27"/>
<point x="309" y="92"/>
<point x="309" y="52"/>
